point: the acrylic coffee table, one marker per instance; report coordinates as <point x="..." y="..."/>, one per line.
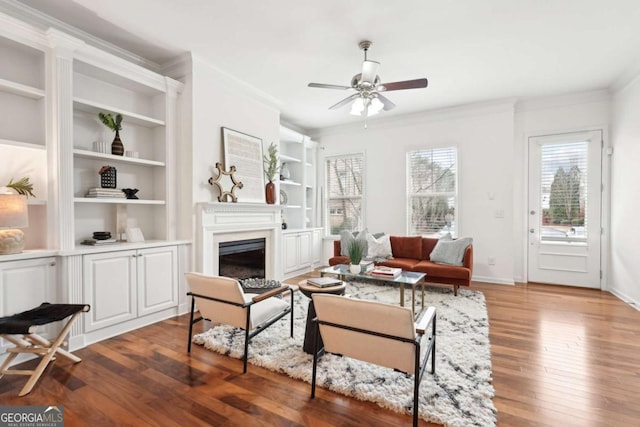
<point x="410" y="278"/>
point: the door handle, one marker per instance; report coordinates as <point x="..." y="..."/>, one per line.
<point x="532" y="230"/>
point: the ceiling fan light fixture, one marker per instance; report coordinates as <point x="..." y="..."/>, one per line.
<point x="357" y="107"/>
<point x="375" y="107"/>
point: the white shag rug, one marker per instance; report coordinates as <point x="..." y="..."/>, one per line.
<point x="460" y="393"/>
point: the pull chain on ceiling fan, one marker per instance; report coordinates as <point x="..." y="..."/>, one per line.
<point x="368" y="101"/>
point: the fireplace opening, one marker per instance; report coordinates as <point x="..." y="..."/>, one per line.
<point x="242" y="259"/>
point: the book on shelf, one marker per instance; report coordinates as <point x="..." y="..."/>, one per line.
<point x="105" y="192"/>
<point x="94" y="242"/>
<point x="386" y="271"/>
<point x="324" y="282"/>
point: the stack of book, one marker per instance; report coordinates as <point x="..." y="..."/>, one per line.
<point x="386" y="271"/>
<point x="105" y="193"/>
<point x="324" y="282"/>
<point x="366" y="266"/>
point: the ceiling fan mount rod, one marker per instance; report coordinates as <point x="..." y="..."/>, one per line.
<point x="365" y="45"/>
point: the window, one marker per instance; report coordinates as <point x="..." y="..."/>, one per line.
<point x="432" y="191"/>
<point x="563" y="190"/>
<point x="344" y="193"/>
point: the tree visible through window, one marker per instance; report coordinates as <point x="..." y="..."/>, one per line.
<point x="344" y="192"/>
<point x="564" y="191"/>
<point x="432" y="191"/>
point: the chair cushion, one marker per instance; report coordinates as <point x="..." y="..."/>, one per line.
<point x="265" y="309"/>
<point x="372" y="316"/>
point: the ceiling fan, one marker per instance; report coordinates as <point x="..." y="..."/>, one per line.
<point x="368" y="99"/>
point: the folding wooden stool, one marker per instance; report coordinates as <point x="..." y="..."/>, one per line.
<point x="25" y="324"/>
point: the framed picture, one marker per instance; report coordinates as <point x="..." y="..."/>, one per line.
<point x="245" y="153"/>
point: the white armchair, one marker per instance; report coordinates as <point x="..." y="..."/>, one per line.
<point x="378" y="333"/>
<point x="222" y="300"/>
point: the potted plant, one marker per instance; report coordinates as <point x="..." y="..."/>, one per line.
<point x="271" y="168"/>
<point x="355" y="249"/>
<point x="115" y="124"/>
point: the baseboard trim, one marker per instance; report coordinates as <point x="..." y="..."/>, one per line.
<point x="625" y="298"/>
<point x="496" y="280"/>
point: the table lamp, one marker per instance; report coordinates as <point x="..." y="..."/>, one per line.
<point x="13" y="215"/>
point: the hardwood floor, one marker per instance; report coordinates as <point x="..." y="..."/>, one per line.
<point x="561" y="356"/>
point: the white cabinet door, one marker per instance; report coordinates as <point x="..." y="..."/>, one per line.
<point x="110" y="287"/>
<point x="304" y="249"/>
<point x="290" y="245"/>
<point x="157" y="279"/>
<point x="25" y="285"/>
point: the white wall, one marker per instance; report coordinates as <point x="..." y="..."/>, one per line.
<point x="212" y="100"/>
<point x="544" y="116"/>
<point x="625" y="203"/>
<point x="484" y="137"/>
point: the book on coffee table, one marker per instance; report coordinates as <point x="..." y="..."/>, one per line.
<point x="324" y="282"/>
<point x="386" y="271"/>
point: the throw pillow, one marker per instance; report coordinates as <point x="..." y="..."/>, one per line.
<point x="450" y="252"/>
<point x="379" y="248"/>
<point x="346" y="237"/>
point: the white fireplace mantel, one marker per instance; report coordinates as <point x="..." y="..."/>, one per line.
<point x="224" y="222"/>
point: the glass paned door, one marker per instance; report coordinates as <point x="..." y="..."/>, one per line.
<point x="565" y="209"/>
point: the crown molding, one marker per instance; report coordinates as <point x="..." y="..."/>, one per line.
<point x="44" y="22"/>
<point x="240" y="85"/>
<point x="554" y="101"/>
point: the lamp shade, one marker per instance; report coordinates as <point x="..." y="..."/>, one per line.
<point x="13" y="211"/>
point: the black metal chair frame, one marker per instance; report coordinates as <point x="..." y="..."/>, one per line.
<point x="420" y="367"/>
<point x="257" y="329"/>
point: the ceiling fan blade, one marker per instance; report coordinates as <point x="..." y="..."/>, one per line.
<point x="326" y="86"/>
<point x="388" y="105"/>
<point x="407" y="84"/>
<point x="369" y="71"/>
<point x="344" y="101"/>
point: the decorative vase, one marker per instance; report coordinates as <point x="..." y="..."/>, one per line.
<point x="285" y="174"/>
<point x="117" y="148"/>
<point x="354" y="268"/>
<point x="270" y="192"/>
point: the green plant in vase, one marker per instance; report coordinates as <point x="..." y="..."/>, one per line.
<point x="355" y="249"/>
<point x="23" y="187"/>
<point x="115" y="124"/>
<point x="271" y="168"/>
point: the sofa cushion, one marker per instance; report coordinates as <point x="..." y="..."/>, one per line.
<point x="378" y="248"/>
<point x="406" y="247"/>
<point x="428" y="243"/>
<point x="338" y="260"/>
<point x="442" y="270"/>
<point x="450" y="252"/>
<point x="403" y="263"/>
<point x="347" y="237"/>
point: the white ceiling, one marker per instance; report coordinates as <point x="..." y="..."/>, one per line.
<point x="470" y="50"/>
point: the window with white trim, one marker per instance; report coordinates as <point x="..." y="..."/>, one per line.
<point x="432" y="191"/>
<point x="344" y="183"/>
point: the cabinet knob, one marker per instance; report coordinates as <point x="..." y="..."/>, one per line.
<point x="53" y="264"/>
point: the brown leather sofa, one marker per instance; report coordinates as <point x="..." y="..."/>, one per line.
<point x="412" y="254"/>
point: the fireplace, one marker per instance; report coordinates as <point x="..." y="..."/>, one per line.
<point x="242" y="259"/>
<point x="220" y="223"/>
